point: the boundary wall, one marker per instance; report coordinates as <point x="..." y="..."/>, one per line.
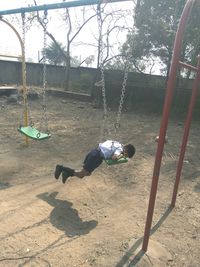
<point x="143" y="90"/>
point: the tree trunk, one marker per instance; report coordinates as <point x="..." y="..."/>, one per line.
<point x="67" y="73"/>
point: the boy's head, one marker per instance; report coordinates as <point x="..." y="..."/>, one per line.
<point x="129" y="150"/>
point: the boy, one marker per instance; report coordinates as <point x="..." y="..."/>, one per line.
<point x="107" y="150"/>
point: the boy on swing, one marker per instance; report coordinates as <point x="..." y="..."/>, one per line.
<point x="107" y="150"/>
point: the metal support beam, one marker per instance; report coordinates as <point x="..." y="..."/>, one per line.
<point x="165" y="117"/>
<point x="58" y="6"/>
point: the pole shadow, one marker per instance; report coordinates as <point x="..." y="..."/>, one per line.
<point x="65" y="218"/>
<point x="126" y="258"/>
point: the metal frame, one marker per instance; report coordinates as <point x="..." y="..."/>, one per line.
<point x="165" y="117"/>
<point x="167" y="104"/>
<point x="58" y="6"/>
<point x="22" y="59"/>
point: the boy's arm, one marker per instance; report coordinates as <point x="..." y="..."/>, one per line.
<point x="117" y="156"/>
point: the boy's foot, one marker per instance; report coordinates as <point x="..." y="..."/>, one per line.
<point x="66" y="173"/>
<point x="58" y="171"/>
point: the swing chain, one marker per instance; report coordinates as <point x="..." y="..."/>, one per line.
<point x="45" y="22"/>
<point x="25" y="90"/>
<point x="126" y="72"/>
<point x="101" y="64"/>
<point x="124" y="83"/>
<point x="127" y="66"/>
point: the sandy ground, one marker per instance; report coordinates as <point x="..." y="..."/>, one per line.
<point x="99" y="220"/>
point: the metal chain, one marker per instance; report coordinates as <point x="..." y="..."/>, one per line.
<point x="123" y="91"/>
<point x="124" y="83"/>
<point x="45" y="22"/>
<point x="25" y="90"/>
<point x="105" y="111"/>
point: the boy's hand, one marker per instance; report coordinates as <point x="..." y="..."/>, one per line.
<point x="116" y="157"/>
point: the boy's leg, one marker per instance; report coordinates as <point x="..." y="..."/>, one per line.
<point x="67" y="172"/>
<point x="92" y="160"/>
<point x="82" y="173"/>
<point x="58" y="171"/>
<point x="61" y="169"/>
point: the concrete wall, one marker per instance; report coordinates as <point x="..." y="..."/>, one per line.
<point x="142" y="90"/>
<point x="11" y="73"/>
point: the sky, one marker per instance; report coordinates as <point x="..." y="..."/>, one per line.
<point x="9" y="44"/>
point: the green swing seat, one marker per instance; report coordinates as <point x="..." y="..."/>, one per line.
<point x="33" y="133"/>
<point x="116" y="161"/>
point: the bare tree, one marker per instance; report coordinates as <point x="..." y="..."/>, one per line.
<point x="110" y="26"/>
<point x="70" y="38"/>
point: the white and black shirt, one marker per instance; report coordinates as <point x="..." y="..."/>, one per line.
<point x="110" y="148"/>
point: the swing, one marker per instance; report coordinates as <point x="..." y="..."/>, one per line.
<point x="116" y="161"/>
<point x="33" y="133"/>
<point x="123" y="159"/>
<point x="29" y="130"/>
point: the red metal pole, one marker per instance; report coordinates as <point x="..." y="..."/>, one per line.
<point x="186" y="133"/>
<point x="165" y="118"/>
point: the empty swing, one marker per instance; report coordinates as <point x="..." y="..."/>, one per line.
<point x="33" y="133"/>
<point x="122" y="159"/>
<point x="29" y="130"/>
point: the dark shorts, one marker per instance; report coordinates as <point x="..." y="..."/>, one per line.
<point x="92" y="160"/>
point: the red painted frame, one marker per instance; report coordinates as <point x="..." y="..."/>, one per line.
<point x="165" y="117"/>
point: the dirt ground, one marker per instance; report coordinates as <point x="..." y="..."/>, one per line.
<point x="97" y="221"/>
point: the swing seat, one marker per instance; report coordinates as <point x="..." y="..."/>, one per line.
<point x="116" y="161"/>
<point x="33" y="133"/>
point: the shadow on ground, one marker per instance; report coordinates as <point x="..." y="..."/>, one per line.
<point x="126" y="259"/>
<point x="65" y="218"/>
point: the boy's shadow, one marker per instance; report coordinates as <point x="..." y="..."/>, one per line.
<point x="65" y="218"/>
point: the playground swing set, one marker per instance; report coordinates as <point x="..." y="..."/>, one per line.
<point x="175" y="64"/>
<point x="105" y="124"/>
<point x="27" y="128"/>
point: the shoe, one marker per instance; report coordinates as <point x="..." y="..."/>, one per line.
<point x="66" y="173"/>
<point x="68" y="170"/>
<point x="58" y="170"/>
